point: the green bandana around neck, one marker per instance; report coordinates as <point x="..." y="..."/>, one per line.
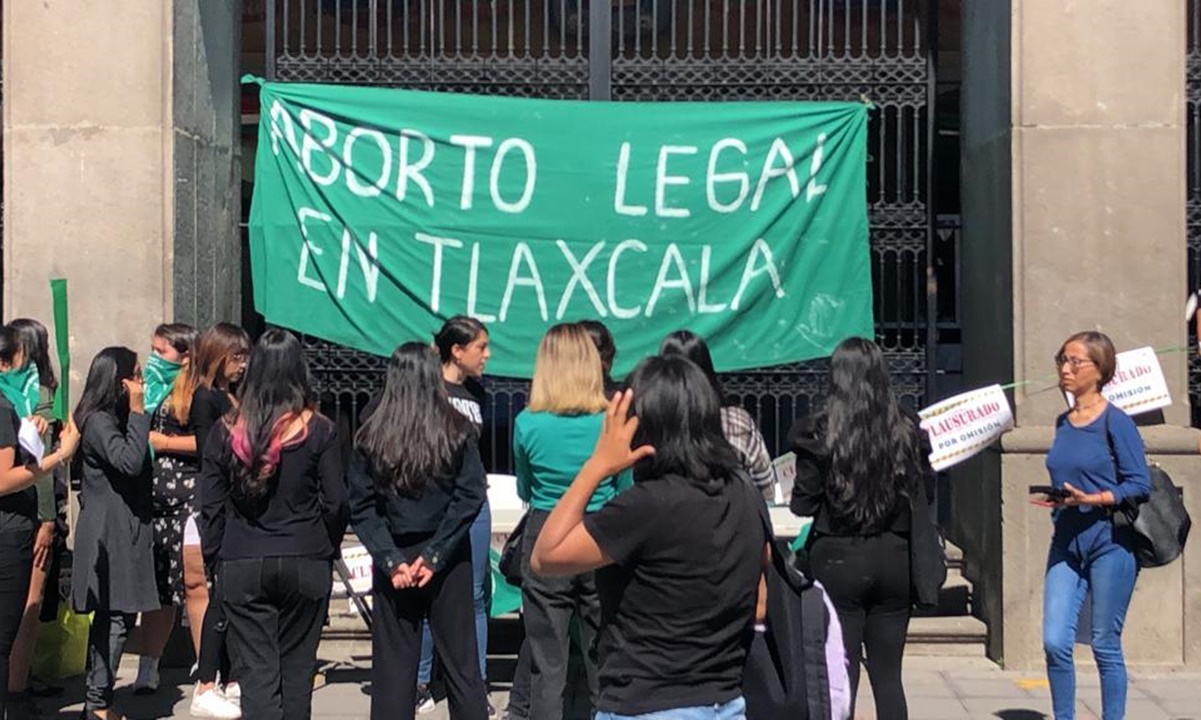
<point x="21" y="387"/>
<point x="157" y="377"/>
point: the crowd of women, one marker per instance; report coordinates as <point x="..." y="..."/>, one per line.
<point x="207" y="472"/>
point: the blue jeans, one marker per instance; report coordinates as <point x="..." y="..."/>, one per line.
<point x="733" y="710"/>
<point x="481" y="543"/>
<point x="1092" y="563"/>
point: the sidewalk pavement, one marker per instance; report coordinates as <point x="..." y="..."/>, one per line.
<point x="937" y="688"/>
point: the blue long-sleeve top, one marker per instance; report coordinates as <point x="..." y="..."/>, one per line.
<point x="1083" y="457"/>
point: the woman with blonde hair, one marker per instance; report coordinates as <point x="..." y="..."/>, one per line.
<point x="552" y="439"/>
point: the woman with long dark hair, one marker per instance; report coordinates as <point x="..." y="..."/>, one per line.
<point x="552" y="439"/>
<point x="737" y="424"/>
<point x="19" y="470"/>
<point x="113" y="571"/>
<point x="679" y="555"/>
<point x="464" y="347"/>
<point x="417" y="485"/>
<point x="274" y="510"/>
<point x="51" y="499"/>
<point x="860" y="467"/>
<point x="218" y="363"/>
<point x="1098" y="461"/>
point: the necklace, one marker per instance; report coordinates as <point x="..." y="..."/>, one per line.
<point x="1078" y="408"/>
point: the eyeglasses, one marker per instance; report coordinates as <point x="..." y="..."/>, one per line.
<point x="1074" y="362"/>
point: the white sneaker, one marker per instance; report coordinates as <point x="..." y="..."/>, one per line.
<point x="212" y="705"/>
<point x="233" y="693"/>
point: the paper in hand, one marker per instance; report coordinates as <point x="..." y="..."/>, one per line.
<point x="31" y="439"/>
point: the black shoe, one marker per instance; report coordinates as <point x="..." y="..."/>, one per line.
<point x="425" y="699"/>
<point x="42" y="690"/>
<point x="20" y="707"/>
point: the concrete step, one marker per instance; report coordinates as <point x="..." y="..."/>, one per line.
<point x="947" y="635"/>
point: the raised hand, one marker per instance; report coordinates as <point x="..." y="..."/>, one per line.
<point x="613" y="452"/>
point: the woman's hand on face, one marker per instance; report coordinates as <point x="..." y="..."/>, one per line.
<point x="613" y="452"/>
<point x="137" y="395"/>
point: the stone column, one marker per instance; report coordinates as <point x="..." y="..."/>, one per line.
<point x="1074" y="218"/>
<point x="120" y="165"/>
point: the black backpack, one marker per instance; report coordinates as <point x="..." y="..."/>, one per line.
<point x="785" y="677"/>
<point x="1159" y="526"/>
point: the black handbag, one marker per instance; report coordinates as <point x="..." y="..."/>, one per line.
<point x="1160" y="526"/>
<point x="509" y="564"/>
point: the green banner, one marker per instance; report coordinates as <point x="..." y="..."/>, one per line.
<point x="378" y="213"/>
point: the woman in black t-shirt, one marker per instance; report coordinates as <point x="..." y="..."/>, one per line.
<point x="18" y="509"/>
<point x="218" y="362"/>
<point x="274" y="509"/>
<point x="680" y="554"/>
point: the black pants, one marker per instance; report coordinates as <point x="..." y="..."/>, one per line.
<point x="106" y="644"/>
<point x="548" y="606"/>
<point x="16" y="567"/>
<point x="396" y="639"/>
<point x="214" y="652"/>
<point x="868" y="581"/>
<point x="275" y="608"/>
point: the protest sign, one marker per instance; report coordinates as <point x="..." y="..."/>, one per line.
<point x="378" y="213"/>
<point x="963" y="425"/>
<point x="1138" y="384"/>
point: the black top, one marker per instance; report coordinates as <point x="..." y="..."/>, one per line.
<point x="208" y="407"/>
<point x="678" y="605"/>
<point x="445" y="510"/>
<point x="113" y="569"/>
<point x="19" y="510"/>
<point x="468" y="398"/>
<point x="303" y="514"/>
<point x="812" y="474"/>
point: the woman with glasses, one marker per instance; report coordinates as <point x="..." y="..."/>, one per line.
<point x="1096" y="462"/>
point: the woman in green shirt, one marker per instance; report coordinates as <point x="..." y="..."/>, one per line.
<point x="552" y="438"/>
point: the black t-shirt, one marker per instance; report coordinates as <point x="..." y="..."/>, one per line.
<point x="678" y="605"/>
<point x="468" y="400"/>
<point x="19" y="510"/>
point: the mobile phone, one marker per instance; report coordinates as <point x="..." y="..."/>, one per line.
<point x="1050" y="491"/>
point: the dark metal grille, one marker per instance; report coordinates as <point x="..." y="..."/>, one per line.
<point x="879" y="51"/>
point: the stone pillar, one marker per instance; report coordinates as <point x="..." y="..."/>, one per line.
<point x="1074" y="218"/>
<point x="121" y="171"/>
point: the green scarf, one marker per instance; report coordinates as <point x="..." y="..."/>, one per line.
<point x="158" y="376"/>
<point x="22" y="388"/>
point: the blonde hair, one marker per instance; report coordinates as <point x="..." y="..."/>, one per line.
<point x="568" y="379"/>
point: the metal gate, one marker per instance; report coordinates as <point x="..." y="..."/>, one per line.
<point x="879" y="51"/>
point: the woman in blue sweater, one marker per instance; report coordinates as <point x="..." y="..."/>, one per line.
<point x="552" y="439"/>
<point x="1097" y="460"/>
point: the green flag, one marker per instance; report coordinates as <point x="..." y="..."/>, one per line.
<point x="62" y="335"/>
<point x="378" y="213"/>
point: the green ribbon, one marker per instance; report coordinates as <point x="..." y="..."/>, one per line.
<point x="21" y="387"/>
<point x="62" y="342"/>
<point x="158" y="376"/>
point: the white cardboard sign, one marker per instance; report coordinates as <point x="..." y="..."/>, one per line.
<point x="1138" y="384"/>
<point x="963" y="425"/>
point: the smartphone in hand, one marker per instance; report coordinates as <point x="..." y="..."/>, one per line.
<point x="1050" y="491"/>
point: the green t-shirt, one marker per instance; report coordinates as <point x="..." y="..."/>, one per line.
<point x="550" y="449"/>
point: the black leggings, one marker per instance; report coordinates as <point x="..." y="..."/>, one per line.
<point x="16" y="567"/>
<point x="214" y="652"/>
<point x="868" y="581"/>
